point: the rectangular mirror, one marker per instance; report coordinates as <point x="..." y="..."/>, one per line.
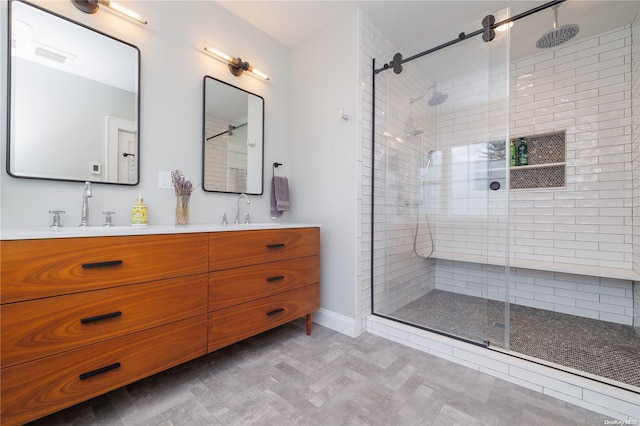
<point x="233" y="139"/>
<point x="74" y="101"/>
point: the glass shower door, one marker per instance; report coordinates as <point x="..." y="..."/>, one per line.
<point x="441" y="190"/>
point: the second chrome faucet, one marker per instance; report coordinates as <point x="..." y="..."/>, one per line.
<point x="248" y="215"/>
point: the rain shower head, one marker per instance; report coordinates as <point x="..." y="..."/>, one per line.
<point x="558" y="35"/>
<point x="435" y="99"/>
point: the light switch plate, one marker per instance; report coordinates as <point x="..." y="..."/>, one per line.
<point x="164" y="180"/>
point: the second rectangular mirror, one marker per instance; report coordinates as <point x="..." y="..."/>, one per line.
<point x="233" y="139"/>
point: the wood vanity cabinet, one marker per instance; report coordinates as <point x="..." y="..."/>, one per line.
<point x="82" y="316"/>
<point x="260" y="280"/>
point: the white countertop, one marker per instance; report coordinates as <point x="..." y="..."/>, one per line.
<point x="100" y="231"/>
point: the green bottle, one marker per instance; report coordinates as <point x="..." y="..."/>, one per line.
<point x="512" y="154"/>
<point x="522" y="153"/>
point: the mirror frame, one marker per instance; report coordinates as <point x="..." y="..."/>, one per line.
<point x="10" y="94"/>
<point x="204" y="136"/>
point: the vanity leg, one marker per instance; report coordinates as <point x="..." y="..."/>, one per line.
<point x="308" y="324"/>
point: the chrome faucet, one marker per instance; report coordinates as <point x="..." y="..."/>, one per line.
<point x="247" y="220"/>
<point x="87" y="193"/>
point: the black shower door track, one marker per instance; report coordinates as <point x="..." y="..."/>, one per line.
<point x="463" y="36"/>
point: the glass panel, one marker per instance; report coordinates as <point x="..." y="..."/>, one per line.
<point x="441" y="190"/>
<point x="571" y="205"/>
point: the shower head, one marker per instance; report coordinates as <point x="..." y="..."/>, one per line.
<point x="558" y="35"/>
<point x="435" y="99"/>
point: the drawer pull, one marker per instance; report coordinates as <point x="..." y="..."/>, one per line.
<point x="278" y="278"/>
<point x="100" y="317"/>
<point x="274" y="246"/>
<point x="101" y="264"/>
<point x="101" y="370"/>
<point x="275" y="312"/>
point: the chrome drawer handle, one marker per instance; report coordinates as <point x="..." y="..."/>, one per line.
<point x="100" y="317"/>
<point x="273" y="246"/>
<point x="102" y="264"/>
<point x="278" y="278"/>
<point x="275" y="312"/>
<point x="101" y="370"/>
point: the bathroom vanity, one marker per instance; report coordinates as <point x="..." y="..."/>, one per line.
<point x="88" y="313"/>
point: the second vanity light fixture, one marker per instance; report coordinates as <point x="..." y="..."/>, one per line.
<point x="91" y="6"/>
<point x="236" y="65"/>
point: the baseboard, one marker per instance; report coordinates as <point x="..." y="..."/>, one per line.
<point x="336" y="322"/>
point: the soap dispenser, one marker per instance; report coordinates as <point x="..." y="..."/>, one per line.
<point x="139" y="213"/>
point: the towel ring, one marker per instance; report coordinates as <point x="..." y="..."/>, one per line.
<point x="273" y="169"/>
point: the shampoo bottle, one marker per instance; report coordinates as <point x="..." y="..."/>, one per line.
<point x="522" y="153"/>
<point x="512" y="154"/>
<point x="139" y="213"/>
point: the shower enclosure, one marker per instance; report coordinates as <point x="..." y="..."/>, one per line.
<point x="532" y="254"/>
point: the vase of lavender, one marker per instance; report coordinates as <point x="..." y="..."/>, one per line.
<point x="183" y="188"/>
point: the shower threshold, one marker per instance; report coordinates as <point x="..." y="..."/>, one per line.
<point x="581" y="345"/>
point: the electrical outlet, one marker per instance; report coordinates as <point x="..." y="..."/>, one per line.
<point x="164" y="180"/>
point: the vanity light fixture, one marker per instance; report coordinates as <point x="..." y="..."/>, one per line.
<point x="91" y="6"/>
<point x="236" y="65"/>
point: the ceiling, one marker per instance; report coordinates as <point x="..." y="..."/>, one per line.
<point x="413" y="25"/>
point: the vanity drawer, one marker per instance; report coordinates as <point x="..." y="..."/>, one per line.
<point x="34" y="269"/>
<point x="235" y="249"/>
<point x="41" y="387"/>
<point x="38" y="328"/>
<point x="238" y="285"/>
<point x="236" y="323"/>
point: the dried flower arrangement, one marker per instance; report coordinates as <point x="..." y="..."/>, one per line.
<point x="181" y="185"/>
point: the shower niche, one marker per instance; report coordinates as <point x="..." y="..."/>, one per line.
<point x="546" y="166"/>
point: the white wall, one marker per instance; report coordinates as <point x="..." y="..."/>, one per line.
<point x="324" y="151"/>
<point x="173" y="65"/>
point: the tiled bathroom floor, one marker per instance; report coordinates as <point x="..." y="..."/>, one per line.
<point x="597" y="347"/>
<point x="284" y="377"/>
